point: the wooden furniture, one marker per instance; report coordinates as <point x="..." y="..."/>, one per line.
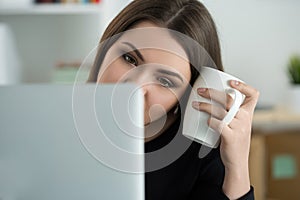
<point x="275" y="155"/>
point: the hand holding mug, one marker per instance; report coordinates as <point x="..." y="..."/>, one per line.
<point x="235" y="135"/>
<point x="225" y="100"/>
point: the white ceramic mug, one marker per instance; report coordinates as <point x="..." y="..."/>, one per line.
<point x="195" y="122"/>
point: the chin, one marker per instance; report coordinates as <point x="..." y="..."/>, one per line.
<point x="156" y="120"/>
<point x="147" y="122"/>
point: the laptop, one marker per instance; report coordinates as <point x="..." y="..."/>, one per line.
<point x="71" y="142"/>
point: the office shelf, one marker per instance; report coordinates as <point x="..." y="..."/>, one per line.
<point x="52" y="9"/>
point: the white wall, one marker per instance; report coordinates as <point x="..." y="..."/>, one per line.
<point x="257" y="39"/>
<point x="43" y="40"/>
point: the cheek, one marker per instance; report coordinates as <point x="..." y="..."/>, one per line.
<point x="157" y="104"/>
<point x="163" y="97"/>
<point x="160" y="100"/>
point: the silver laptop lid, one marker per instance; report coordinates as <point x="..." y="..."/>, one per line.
<point x="60" y="142"/>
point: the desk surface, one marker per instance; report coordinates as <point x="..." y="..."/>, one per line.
<point x="278" y="118"/>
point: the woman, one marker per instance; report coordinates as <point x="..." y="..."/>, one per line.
<point x="223" y="173"/>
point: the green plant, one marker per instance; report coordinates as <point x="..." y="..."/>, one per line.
<point x="294" y="69"/>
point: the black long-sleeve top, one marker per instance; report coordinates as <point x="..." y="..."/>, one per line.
<point x="189" y="177"/>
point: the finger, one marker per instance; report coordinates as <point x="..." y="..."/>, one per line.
<point x="220" y="97"/>
<point x="251" y="94"/>
<point x="239" y="127"/>
<point x="235" y="123"/>
<point x="213" y="110"/>
<point x="218" y="126"/>
<point x="243" y="114"/>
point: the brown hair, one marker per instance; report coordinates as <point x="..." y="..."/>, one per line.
<point x="189" y="17"/>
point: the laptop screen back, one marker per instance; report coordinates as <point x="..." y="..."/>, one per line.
<point x="60" y="142"/>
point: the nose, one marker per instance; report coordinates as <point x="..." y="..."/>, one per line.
<point x="141" y="79"/>
<point x="144" y="90"/>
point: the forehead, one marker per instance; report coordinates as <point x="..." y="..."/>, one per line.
<point x="147" y="35"/>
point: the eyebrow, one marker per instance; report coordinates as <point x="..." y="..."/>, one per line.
<point x="170" y="73"/>
<point x="137" y="52"/>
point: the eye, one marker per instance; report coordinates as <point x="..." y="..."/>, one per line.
<point x="130" y="59"/>
<point x="165" y="82"/>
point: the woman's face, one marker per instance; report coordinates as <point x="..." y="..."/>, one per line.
<point x="162" y="75"/>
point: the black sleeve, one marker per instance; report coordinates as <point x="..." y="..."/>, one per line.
<point x="249" y="195"/>
<point x="210" y="180"/>
<point x="208" y="192"/>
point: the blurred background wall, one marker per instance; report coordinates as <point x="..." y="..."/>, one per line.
<point x="257" y="38"/>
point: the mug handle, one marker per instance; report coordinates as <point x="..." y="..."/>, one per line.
<point x="237" y="101"/>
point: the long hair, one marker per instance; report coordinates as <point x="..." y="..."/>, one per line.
<point x="188" y="17"/>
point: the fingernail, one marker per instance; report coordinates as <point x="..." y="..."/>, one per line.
<point x="235" y="82"/>
<point x="195" y="104"/>
<point x="201" y="90"/>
